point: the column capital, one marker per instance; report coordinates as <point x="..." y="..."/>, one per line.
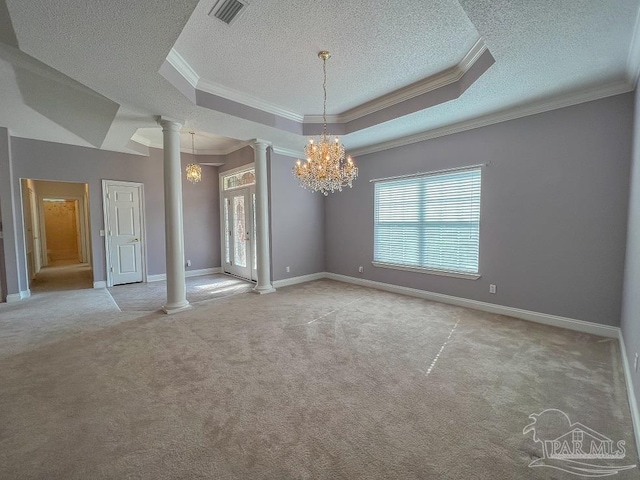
<point x="169" y="124"/>
<point x="259" y="144"/>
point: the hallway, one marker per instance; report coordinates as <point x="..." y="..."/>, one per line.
<point x="62" y="276"/>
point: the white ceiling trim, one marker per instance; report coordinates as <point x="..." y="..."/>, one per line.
<point x="439" y="80"/>
<point x="245" y="99"/>
<point x="574" y="98"/>
<point x="429" y="84"/>
<point x="216" y="151"/>
<point x="287" y="152"/>
<point x="183" y="68"/>
<point x="633" y="60"/>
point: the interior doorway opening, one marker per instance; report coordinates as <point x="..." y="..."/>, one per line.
<point x="238" y="220"/>
<point x="56" y="228"/>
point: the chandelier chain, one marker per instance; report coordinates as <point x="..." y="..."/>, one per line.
<point x="324" y="87"/>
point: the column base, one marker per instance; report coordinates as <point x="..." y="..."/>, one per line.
<point x="262" y="290"/>
<point x="170" y="310"/>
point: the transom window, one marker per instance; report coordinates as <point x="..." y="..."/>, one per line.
<point x="239" y="179"/>
<point x="429" y="222"/>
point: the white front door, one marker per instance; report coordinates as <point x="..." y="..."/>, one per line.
<point x="124" y="233"/>
<point x="238" y="229"/>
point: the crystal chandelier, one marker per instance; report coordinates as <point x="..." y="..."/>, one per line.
<point x="326" y="169"/>
<point x="194" y="170"/>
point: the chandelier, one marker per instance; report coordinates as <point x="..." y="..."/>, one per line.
<point x="326" y="169"/>
<point x="194" y="170"/>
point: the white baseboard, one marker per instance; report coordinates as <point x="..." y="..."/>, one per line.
<point x="553" y="320"/>
<point x="16" y="297"/>
<point x="203" y="271"/>
<point x="301" y="279"/>
<point x="633" y="402"/>
<point x="189" y="273"/>
<point x="13" y="297"/>
<point x="100" y="284"/>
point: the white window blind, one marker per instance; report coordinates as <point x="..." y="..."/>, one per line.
<point x="430" y="221"/>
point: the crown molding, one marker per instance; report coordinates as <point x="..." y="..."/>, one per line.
<point x="416" y="89"/>
<point x="633" y="60"/>
<point x="287" y="152"/>
<point x="246" y="99"/>
<point x="403" y="94"/>
<point x="574" y="98"/>
<point x="178" y="62"/>
<point x="215" y="151"/>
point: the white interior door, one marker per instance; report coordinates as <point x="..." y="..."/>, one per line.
<point x="238" y="228"/>
<point x="124" y="233"/>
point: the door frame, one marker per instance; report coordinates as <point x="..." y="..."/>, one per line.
<point x="143" y="233"/>
<point x="221" y="175"/>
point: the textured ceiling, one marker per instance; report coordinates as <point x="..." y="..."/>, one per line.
<point x="270" y="52"/>
<point x="111" y="53"/>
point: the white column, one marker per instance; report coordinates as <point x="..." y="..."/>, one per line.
<point x="174" y="235"/>
<point x="262" y="218"/>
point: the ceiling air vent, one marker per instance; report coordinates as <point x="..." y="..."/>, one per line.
<point x="228" y="10"/>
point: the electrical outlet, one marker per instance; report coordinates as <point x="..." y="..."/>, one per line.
<point x="188" y="263"/>
<point x="635" y="364"/>
<point x="492" y="288"/>
<point x="361" y="269"/>
<point x="288" y="269"/>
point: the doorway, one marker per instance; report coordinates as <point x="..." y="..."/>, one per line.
<point x="239" y="223"/>
<point x="56" y="232"/>
<point x="124" y="232"/>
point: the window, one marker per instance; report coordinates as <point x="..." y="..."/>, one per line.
<point x="240" y="179"/>
<point x="429" y="222"/>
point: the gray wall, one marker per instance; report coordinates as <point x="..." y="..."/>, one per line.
<point x="297" y="223"/>
<point x="553" y="218"/>
<point x="239" y="158"/>
<point x="631" y="297"/>
<point x="58" y="162"/>
<point x="201" y="206"/>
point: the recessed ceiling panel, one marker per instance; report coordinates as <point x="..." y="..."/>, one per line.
<point x="270" y="52"/>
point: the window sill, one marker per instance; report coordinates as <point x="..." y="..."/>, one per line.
<point x="428" y="271"/>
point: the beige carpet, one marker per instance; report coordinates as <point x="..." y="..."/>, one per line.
<point x="63" y="304"/>
<point x="62" y="276"/>
<point x="152" y="296"/>
<point x="317" y="381"/>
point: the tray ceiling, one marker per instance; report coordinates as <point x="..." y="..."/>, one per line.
<point x="547" y="54"/>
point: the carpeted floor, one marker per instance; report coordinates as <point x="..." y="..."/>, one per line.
<point x="316" y="381"/>
<point x="63" y="304"/>
<point x="151" y="296"/>
<point x="63" y="276"/>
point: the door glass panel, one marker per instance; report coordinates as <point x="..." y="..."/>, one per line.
<point x="227" y="231"/>
<point x="239" y="239"/>
<point x="255" y="242"/>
